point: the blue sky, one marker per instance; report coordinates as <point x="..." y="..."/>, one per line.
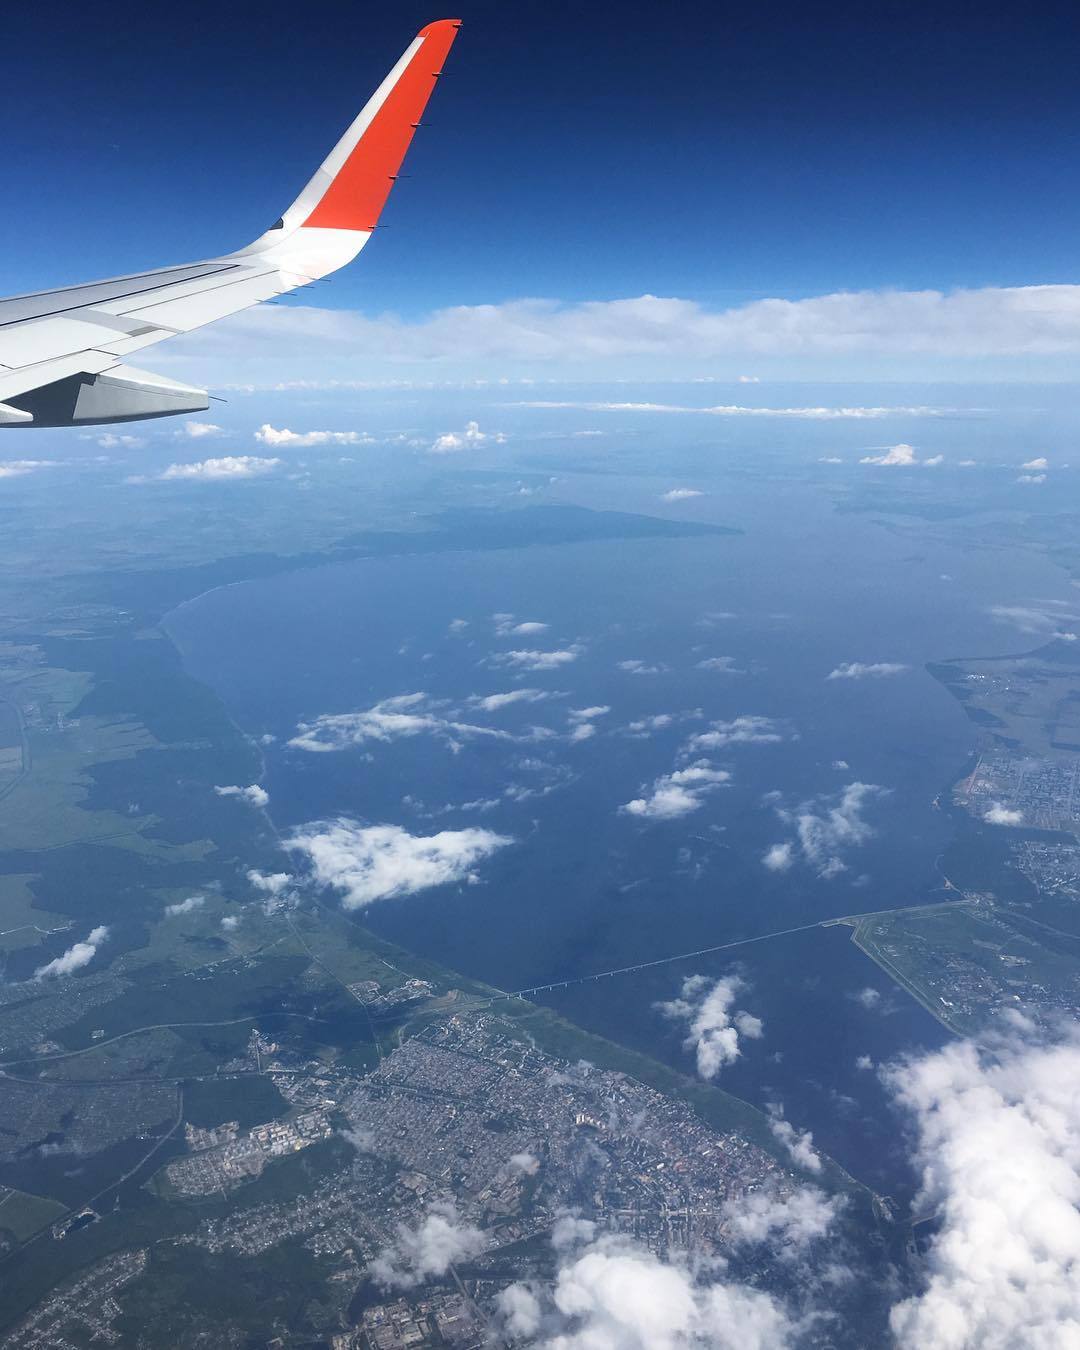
<point x="715" y="153"/>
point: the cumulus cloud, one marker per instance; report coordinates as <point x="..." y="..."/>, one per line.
<point x="471" y="437"/>
<point x="76" y="956"/>
<point x="366" y="863"/>
<point x="635" y="666"/>
<point x="862" y="670"/>
<point x="998" y="1146"/>
<point x="403" y="716"/>
<point x="790" y="1221"/>
<point x="1038" y="463"/>
<point x="721" y="665"/>
<point x="746" y="730"/>
<point x="678" y="793"/>
<point x="1032" y="478"/>
<point x="533" y="660"/>
<point x="826" y="827"/>
<point x="614" y="1295"/>
<point x="680" y="494"/>
<point x="230" y="922"/>
<point x="428" y="1251"/>
<point x="707" y="1008"/>
<point x="507" y="626"/>
<point x="779" y="858"/>
<point x="645" y="726"/>
<point x="282" y="436"/>
<point x="19" y="468"/>
<point x="999" y="814"/>
<point x="192" y="902"/>
<point x="582" y="721"/>
<point x="197" y="430"/>
<point x="270" y="883"/>
<point x="798" y="1143"/>
<point x="893" y="455"/>
<point x="230" y="467"/>
<point x="253" y="793"/>
<point x="496" y="702"/>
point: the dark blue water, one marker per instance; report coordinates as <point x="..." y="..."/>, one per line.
<point x="585" y="888"/>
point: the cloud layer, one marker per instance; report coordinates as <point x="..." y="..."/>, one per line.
<point x="998" y="1143"/>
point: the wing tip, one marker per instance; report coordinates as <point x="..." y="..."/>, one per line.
<point x="439" y="25"/>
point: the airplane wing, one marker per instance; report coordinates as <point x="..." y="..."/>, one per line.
<point x="63" y="353"/>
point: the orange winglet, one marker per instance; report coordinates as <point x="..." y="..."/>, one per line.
<point x="358" y="193"/>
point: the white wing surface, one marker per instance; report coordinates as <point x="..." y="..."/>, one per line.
<point x="63" y="353"/>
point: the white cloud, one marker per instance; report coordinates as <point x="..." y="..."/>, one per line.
<point x="658" y="333"/>
<point x="531" y="659"/>
<point x="76" y="956"/>
<point x="828" y="826"/>
<point x="519" y="1311"/>
<point x="192" y="902"/>
<point x="635" y="666"/>
<point x="253" y="794"/>
<point x="472" y="436"/>
<point x="270" y="883"/>
<point x="1032" y="478"/>
<point x="506" y="627"/>
<point x="19" y="468"/>
<point x="999" y="1152"/>
<point x="112" y="440"/>
<point x="680" y="494"/>
<point x="861" y="670"/>
<point x="714" y="1029"/>
<point x="1043" y="618"/>
<point x="277" y="437"/>
<point x="230" y="922"/>
<point x="722" y="665"/>
<point x="933" y="461"/>
<point x="428" y="1251"/>
<point x="645" y="726"/>
<point x="614" y="1295"/>
<point x="197" y="430"/>
<point x="678" y="793"/>
<point x="378" y="862"/>
<point x="231" y="467"/>
<point x="582" y="719"/>
<point x="747" y="730"/>
<point x="779" y="858"/>
<point x="1039" y="463"/>
<point x="869" y="997"/>
<point x="830" y="459"/>
<point x="893" y="455"/>
<point x="790" y="1221"/>
<point x="495" y="702"/>
<point x="525" y="1163"/>
<point x="999" y="814"/>
<point x="799" y="1143"/>
<point x="403" y="716"/>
